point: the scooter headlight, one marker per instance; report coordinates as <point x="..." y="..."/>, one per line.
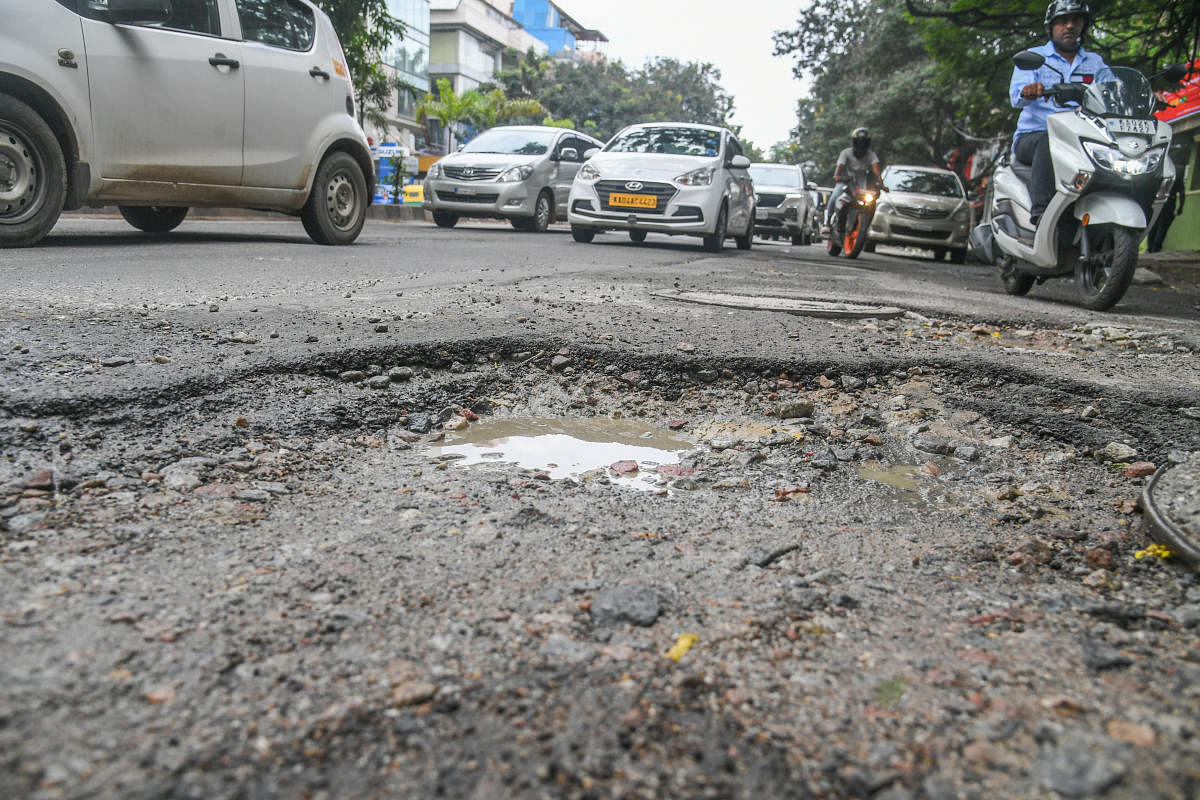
<point x="1112" y="159"/>
<point x="866" y="198"/>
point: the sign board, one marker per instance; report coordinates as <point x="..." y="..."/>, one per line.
<point x="388" y="150"/>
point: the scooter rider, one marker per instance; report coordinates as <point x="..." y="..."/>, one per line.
<point x="854" y="163"/>
<point x="1066" y="22"/>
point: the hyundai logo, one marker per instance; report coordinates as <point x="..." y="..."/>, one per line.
<point x="634" y="186"/>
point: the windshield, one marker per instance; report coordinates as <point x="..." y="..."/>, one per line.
<point x="776" y="176"/>
<point x="1123" y="92"/>
<point x="922" y="182"/>
<point x="674" y="141"/>
<point x="512" y="142"/>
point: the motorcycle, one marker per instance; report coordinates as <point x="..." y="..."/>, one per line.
<point x="1111" y="177"/>
<point x="852" y="215"/>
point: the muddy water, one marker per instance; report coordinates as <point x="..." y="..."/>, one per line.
<point x="570" y="448"/>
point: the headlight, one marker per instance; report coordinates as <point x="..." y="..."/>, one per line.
<point x="515" y="174"/>
<point x="435" y="170"/>
<point x="1111" y="158"/>
<point x="866" y="198"/>
<point x="883" y="208"/>
<point x="697" y="177"/>
<point x="962" y="215"/>
<point x="588" y="173"/>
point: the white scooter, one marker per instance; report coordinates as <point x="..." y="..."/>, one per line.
<point x="1111" y="177"/>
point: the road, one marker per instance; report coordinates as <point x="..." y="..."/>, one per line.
<point x="479" y="513"/>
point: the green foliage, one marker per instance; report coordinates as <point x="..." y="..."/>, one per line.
<point x="607" y="96"/>
<point x="449" y="108"/>
<point x="366" y="30"/>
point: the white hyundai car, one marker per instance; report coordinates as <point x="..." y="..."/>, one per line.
<point x="666" y="177"/>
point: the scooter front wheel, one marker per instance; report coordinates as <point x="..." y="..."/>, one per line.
<point x="1105" y="276"/>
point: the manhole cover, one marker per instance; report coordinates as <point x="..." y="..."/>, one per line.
<point x="791" y="305"/>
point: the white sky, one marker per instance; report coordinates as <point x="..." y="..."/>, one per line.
<point x="734" y="36"/>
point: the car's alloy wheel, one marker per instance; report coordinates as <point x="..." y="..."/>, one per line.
<point x="337" y="207"/>
<point x="33" y="182"/>
<point x="543" y="213"/>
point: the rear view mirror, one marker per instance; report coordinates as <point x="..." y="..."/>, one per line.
<point x="1027" y="59"/>
<point x="739" y="162"/>
<point x="138" y="10"/>
<point x="568" y="154"/>
<point x="1174" y="73"/>
<point x="590" y="152"/>
<point x="811" y="186"/>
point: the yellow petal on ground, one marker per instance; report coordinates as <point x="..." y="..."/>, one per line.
<point x="682" y="645"/>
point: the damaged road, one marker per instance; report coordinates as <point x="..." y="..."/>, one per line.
<point x="895" y="557"/>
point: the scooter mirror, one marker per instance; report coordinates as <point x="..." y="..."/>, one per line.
<point x="1027" y="59"/>
<point x="1175" y="72"/>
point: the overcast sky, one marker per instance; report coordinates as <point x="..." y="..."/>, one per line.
<point x="734" y="36"/>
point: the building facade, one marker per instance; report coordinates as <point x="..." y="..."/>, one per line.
<point x="566" y="39"/>
<point x="470" y="39"/>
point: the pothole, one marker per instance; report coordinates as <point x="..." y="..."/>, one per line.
<point x="617" y="451"/>
<point x="807" y="307"/>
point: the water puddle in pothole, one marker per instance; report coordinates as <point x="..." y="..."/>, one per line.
<point x="571" y="448"/>
<point x="904" y="482"/>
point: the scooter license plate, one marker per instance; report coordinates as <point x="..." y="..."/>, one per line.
<point x="1122" y="125"/>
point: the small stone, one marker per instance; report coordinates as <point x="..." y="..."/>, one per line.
<point x="1000" y="442"/>
<point x="966" y="452"/>
<point x="161" y="360"/>
<point x="411" y="693"/>
<point x="1102" y="579"/>
<point x="676" y="424"/>
<point x="420" y="423"/>
<point x="851" y="383"/>
<point x="633" y="378"/>
<point x="897" y="403"/>
<point x="558" y="362"/>
<point x="379" y="382"/>
<point x="214" y="308"/>
<point x="1099" y="558"/>
<point x="1138" y="469"/>
<point x="624" y="467"/>
<point x="381" y="328"/>
<point x="1132" y="732"/>
<point x="274" y="334"/>
<point x="929" y="443"/>
<point x="686" y="347"/>
<point x="1099" y="656"/>
<point x="400" y="373"/>
<point x="115" y="361"/>
<point x="1082" y="766"/>
<point x="795" y="409"/>
<point x="1090" y="412"/>
<point x="310" y="339"/>
<point x="43" y="479"/>
<point x="707" y="376"/>
<point x="634" y="604"/>
<point x="351" y="376"/>
<point x="254" y="495"/>
<point x="1117" y="452"/>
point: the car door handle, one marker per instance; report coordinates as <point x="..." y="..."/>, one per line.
<point x="219" y="60"/>
<point x="317" y="72"/>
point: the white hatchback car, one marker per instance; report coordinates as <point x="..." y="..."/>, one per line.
<point x="159" y="105"/>
<point x="666" y="177"/>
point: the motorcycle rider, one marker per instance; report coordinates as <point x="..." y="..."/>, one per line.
<point x="1066" y="23"/>
<point x="854" y="164"/>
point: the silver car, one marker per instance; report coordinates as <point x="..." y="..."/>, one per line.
<point x="521" y="173"/>
<point x="784" y="203"/>
<point x="923" y="207"/>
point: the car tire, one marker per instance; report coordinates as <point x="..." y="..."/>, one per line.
<point x="715" y="242"/>
<point x="958" y="256"/>
<point x="337" y="206"/>
<point x="637" y="237"/>
<point x="31" y="207"/>
<point x="869" y="247"/>
<point x="444" y="219"/>
<point x="154" y="219"/>
<point x="582" y="235"/>
<point x="799" y="239"/>
<point x="939" y="253"/>
<point x="744" y="241"/>
<point x="521" y="223"/>
<point x="543" y="213"/>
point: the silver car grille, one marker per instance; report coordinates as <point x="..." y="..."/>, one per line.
<point x="922" y="212"/>
<point x="769" y="200"/>
<point x="470" y="173"/>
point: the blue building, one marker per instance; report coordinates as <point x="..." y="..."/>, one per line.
<point x="565" y="37"/>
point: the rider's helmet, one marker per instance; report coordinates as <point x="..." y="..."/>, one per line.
<point x="1063" y="8"/>
<point x="860" y="141"/>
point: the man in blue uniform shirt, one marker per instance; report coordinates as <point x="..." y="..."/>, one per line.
<point x="1066" y="22"/>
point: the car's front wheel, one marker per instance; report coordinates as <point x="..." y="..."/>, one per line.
<point x="715" y="242"/>
<point x="637" y="237"/>
<point x="958" y="256"/>
<point x="745" y="240"/>
<point x="153" y="219"/>
<point x="582" y="235"/>
<point x="444" y="219"/>
<point x="337" y="207"/>
<point x="33" y="175"/>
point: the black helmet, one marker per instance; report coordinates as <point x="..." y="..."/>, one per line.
<point x="1063" y="8"/>
<point x="860" y="139"/>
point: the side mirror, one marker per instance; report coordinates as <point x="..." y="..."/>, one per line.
<point x="568" y="154"/>
<point x="811" y="186"/>
<point x="1174" y="73"/>
<point x="1027" y="59"/>
<point x="133" y="11"/>
<point x="739" y="162"/>
<point x="590" y="152"/>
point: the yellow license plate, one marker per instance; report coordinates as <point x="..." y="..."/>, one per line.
<point x="633" y="200"/>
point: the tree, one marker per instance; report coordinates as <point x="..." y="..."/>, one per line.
<point x="366" y="30"/>
<point x="495" y="107"/>
<point x="449" y="108"/>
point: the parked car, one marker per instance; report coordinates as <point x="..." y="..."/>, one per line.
<point x="521" y="173"/>
<point x="157" y="106"/>
<point x="923" y="207"/>
<point x="667" y="177"/>
<point x="784" y="204"/>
